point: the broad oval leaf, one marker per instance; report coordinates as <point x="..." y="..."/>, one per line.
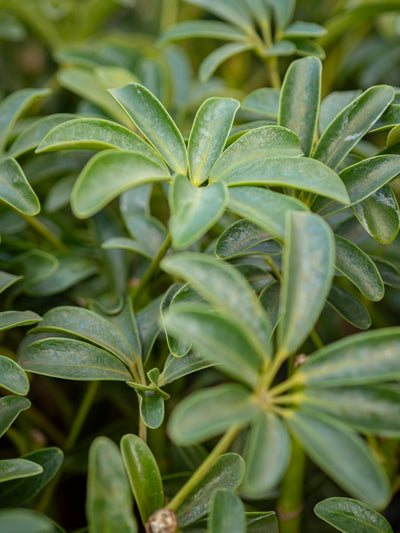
<point x="349" y="307"/>
<point x="144" y="475"/>
<point x="218" y="56"/>
<point x="226" y="513"/>
<point x="343" y="455"/>
<point x="344" y="132"/>
<point x="109" y="499"/>
<point x="244" y="237"/>
<point x="10" y="407"/>
<point x="71" y="359"/>
<point x="11" y="319"/>
<point x="18" y="468"/>
<point x="210" y="130"/>
<point x="307" y="274"/>
<point x="210" y="412"/>
<point x="15" y="189"/>
<point x="12" y="377"/>
<point x="151" y="407"/>
<point x="153" y="120"/>
<point x="300" y="97"/>
<point x="351" y="516"/>
<point x="94" y="189"/>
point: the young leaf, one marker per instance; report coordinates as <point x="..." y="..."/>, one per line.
<point x="109" y="500"/>
<point x="349" y="307"/>
<point x="144" y="475"/>
<point x="210" y="412"/>
<point x="344" y="132"/>
<point x="151" y="406"/>
<point x="71" y="359"/>
<point x="10" y="407"/>
<point x="300" y="97"/>
<point x="12" y="377"/>
<point x="351" y="516"/>
<point x="263" y="101"/>
<point x="226" y="513"/>
<point x="218" y="56"/>
<point x="94" y="189"/>
<point x="307" y="275"/>
<point x="208" y="136"/>
<point x="208" y="29"/>
<point x="153" y="120"/>
<point x="18" y="468"/>
<point x="15" y="189"/>
<point x="343" y="455"/>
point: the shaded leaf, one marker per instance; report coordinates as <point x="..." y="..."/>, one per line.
<point x="27" y="521"/>
<point x="389" y="273"/>
<point x="208" y="29"/>
<point x="218" y="56"/>
<point x="333" y="104"/>
<point x="12" y="377"/>
<point x="349" y="307"/>
<point x="18" y="468"/>
<point x="151" y="407"/>
<point x="263" y="101"/>
<point x="10" y="407"/>
<point x="303" y="29"/>
<point x="233" y="11"/>
<point x="226" y="513"/>
<point x="11" y="319"/>
<point x="6" y="280"/>
<point x="178" y="367"/>
<point x="15" y="189"/>
<point x="244" y="237"/>
<point x="269" y="299"/>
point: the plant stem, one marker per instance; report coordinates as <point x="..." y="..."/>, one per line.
<point x="273" y="369"/>
<point x="284" y="386"/>
<point x="274" y="268"/>
<point x="316" y="339"/>
<point x="270" y="61"/>
<point x="142" y="429"/>
<point x="41" y="228"/>
<point x="203" y="469"/>
<point x="80" y="418"/>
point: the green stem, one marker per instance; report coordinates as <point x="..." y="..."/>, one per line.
<point x="41" y="228"/>
<point x="204" y="468"/>
<point x="48" y="427"/>
<point x="83" y="411"/>
<point x="270" y="61"/>
<point x="273" y="369"/>
<point x="169" y="14"/>
<point x="316" y="339"/>
<point x="142" y="429"/>
<point x="274" y="268"/>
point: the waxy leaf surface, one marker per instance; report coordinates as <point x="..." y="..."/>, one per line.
<point x="12" y="377"/>
<point x="18" y="468"/>
<point x="15" y="189"/>
<point x="226" y="513"/>
<point x="10" y="407"/>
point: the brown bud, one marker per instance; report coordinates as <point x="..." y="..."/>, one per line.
<point x="162" y="521"/>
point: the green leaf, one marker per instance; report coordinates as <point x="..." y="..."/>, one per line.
<point x="18" y="468"/>
<point x="90" y="327"/>
<point x="218" y="56"/>
<point x="10" y="407"/>
<point x="303" y="29"/>
<point x="13" y="106"/>
<point x="243" y="238"/>
<point x="194" y="210"/>
<point x="151" y="407"/>
<point x="266" y="455"/>
<point x="263" y="101"/>
<point x="11" y="319"/>
<point x="283" y="11"/>
<point x="147" y="321"/>
<point x="233" y="11"/>
<point x="96" y="134"/>
<point x="6" y="280"/>
<point x="71" y="359"/>
<point x="343" y="455"/>
<point x="333" y="104"/>
<point x="370" y="357"/>
<point x="262" y="522"/>
<point x="351" y="516"/>
<point x="307" y="273"/>
<point x="12" y="377"/>
<point x="26" y="521"/>
<point x="207" y="29"/>
<point x="210" y="130"/>
<point x="344" y="132"/>
<point x="263" y="207"/>
<point x="300" y="97"/>
<point x="144" y="475"/>
<point x="280" y="48"/>
<point x="390" y="118"/>
<point x="109" y="500"/>
<point x="269" y="299"/>
<point x="210" y="412"/>
<point x="349" y="307"/>
<point x="153" y="120"/>
<point x="252" y="148"/>
<point x="220" y="284"/>
<point x="308" y="47"/>
<point x="217" y="337"/>
<point x="389" y="273"/>
<point x="227" y="473"/>
<point x="226" y="513"/>
<point x="178" y="367"/>
<point x="370" y="409"/>
<point x="379" y="215"/>
<point x="15" y="189"/>
<point x="93" y="190"/>
<point x="17" y="492"/>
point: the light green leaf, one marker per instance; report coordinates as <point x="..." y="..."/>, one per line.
<point x="343" y="455"/>
<point x="151" y="407"/>
<point x="308" y="47"/>
<point x="210" y="130"/>
<point x="218" y="56"/>
<point x="333" y="104"/>
<point x="263" y="101"/>
<point x="300" y="97"/>
<point x="94" y="189"/>
<point x="349" y="307"/>
<point x="266" y="455"/>
<point x="243" y="238"/>
<point x="27" y="521"/>
<point x="280" y="48"/>
<point x="344" y="132"/>
<point x="283" y="12"/>
<point x="210" y="412"/>
<point x="144" y="475"/>
<point x="233" y="11"/>
<point x="207" y="29"/>
<point x="303" y="29"/>
<point x="227" y="473"/>
<point x="370" y="357"/>
<point x="11" y="319"/>
<point x="18" y="468"/>
<point x="263" y="207"/>
<point x="10" y="407"/>
<point x="194" y="210"/>
<point x="393" y="136"/>
<point x="109" y="500"/>
<point x="71" y="359"/>
<point x="153" y="120"/>
<point x="178" y="367"/>
<point x="12" y="377"/>
<point x="252" y="148"/>
<point x="220" y="284"/>
<point x="226" y="513"/>
<point x="15" y="189"/>
<point x="307" y="273"/>
<point x="356" y="265"/>
<point x="351" y="516"/>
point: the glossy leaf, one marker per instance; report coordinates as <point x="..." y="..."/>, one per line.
<point x="266" y="455"/>
<point x="252" y="148"/>
<point x="94" y="189"/>
<point x="226" y="513"/>
<point x="344" y="132"/>
<point x="27" y="521"/>
<point x="194" y="210"/>
<point x="12" y="377"/>
<point x="210" y="130"/>
<point x="390" y="118"/>
<point x="18" y="468"/>
<point x="210" y="412"/>
<point x="333" y="104"/>
<point x="11" y="319"/>
<point x="178" y="367"/>
<point x="144" y="475"/>
<point x="109" y="500"/>
<point x="263" y="207"/>
<point x="356" y="265"/>
<point x="300" y="97"/>
<point x="218" y="56"/>
<point x="227" y="473"/>
<point x="263" y="101"/>
<point x="151" y="407"/>
<point x="349" y="307"/>
<point x="307" y="273"/>
<point x="15" y="189"/>
<point x="153" y="120"/>
<point x="351" y="516"/>
<point x="244" y="237"/>
<point x="208" y="29"/>
<point x="233" y="11"/>
<point x="71" y="359"/>
<point x="10" y="407"/>
<point x="343" y="455"/>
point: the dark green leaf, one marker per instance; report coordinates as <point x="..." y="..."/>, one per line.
<point x="242" y="238"/>
<point x="226" y="513"/>
<point x="218" y="56"/>
<point x="177" y="367"/>
<point x="15" y="189"/>
<point x="11" y="319"/>
<point x="18" y="468"/>
<point x="12" y="377"/>
<point x="26" y="521"/>
<point x="151" y="407"/>
<point x="6" y="280"/>
<point x="148" y="326"/>
<point x="349" y="307"/>
<point x="10" y="407"/>
<point x="389" y="273"/>
<point x="390" y="118"/>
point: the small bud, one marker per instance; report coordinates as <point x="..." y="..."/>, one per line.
<point x="162" y="521"/>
